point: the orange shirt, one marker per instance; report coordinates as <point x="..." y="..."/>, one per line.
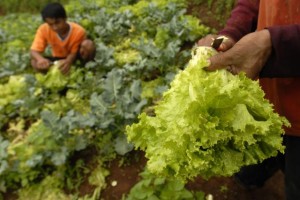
<point x="60" y="48"/>
<point x="284" y="93"/>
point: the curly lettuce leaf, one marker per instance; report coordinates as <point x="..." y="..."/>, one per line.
<point x="208" y="124"/>
<point x="12" y="90"/>
<point x="53" y="79"/>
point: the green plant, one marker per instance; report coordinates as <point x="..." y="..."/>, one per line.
<point x="221" y="123"/>
<point x="218" y="10"/>
<point x="13" y="6"/>
<point x="155" y="188"/>
<point x="46" y="123"/>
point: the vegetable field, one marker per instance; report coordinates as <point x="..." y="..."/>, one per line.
<point x="64" y="137"/>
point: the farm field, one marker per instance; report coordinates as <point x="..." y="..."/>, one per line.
<point x="63" y="137"/>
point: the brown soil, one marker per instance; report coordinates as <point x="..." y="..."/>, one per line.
<point x="227" y="188"/>
<point x="126" y="176"/>
<point x="208" y="16"/>
<point x="220" y="188"/>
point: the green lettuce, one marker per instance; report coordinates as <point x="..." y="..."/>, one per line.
<point x="53" y="79"/>
<point x="208" y="124"/>
<point x="12" y="90"/>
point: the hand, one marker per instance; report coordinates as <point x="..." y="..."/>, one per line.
<point x="225" y="45"/>
<point x="65" y="66"/>
<point x="248" y="55"/>
<point x="43" y="64"/>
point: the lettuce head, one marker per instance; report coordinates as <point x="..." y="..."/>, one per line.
<point x="208" y="124"/>
<point x="53" y="79"/>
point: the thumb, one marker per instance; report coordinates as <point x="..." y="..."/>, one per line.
<point x="226" y="45"/>
<point x="218" y="61"/>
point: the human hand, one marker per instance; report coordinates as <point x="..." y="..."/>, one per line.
<point x="208" y="40"/>
<point x="43" y="64"/>
<point x="249" y="55"/>
<point x="64" y="66"/>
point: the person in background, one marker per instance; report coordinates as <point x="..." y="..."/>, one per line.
<point x="264" y="42"/>
<point x="67" y="40"/>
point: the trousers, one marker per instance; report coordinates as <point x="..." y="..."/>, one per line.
<point x="255" y="176"/>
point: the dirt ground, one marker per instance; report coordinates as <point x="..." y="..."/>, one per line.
<point x="220" y="188"/>
<point x="127" y="175"/>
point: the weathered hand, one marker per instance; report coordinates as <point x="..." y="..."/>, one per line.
<point x="207" y="41"/>
<point x="248" y="55"/>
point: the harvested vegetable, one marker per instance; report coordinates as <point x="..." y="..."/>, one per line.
<point x="53" y="78"/>
<point x="208" y="124"/>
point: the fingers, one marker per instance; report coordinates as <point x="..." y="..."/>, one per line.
<point x="64" y="68"/>
<point x="232" y="69"/>
<point x="226" y="45"/>
<point x="220" y="61"/>
<point x="44" y="64"/>
<point x="207" y="40"/>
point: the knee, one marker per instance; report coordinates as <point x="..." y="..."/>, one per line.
<point x="87" y="50"/>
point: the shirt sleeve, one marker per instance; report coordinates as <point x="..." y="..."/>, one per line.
<point x="285" y="58"/>
<point x="243" y="19"/>
<point x="39" y="43"/>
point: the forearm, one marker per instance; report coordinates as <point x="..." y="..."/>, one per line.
<point x="285" y="58"/>
<point x="243" y="19"/>
<point x="71" y="58"/>
<point x="36" y="55"/>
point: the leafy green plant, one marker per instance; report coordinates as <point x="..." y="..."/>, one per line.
<point x="47" y="122"/>
<point x="208" y="124"/>
<point x="16" y="34"/>
<point x="153" y="187"/>
<point x="9" y="6"/>
<point x="217" y="10"/>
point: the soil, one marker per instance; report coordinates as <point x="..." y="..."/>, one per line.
<point x="126" y="176"/>
<point x="221" y="188"/>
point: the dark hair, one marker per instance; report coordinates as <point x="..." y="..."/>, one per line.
<point x="53" y="10"/>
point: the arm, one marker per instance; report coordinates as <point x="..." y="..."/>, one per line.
<point x="285" y="58"/>
<point x="37" y="48"/>
<point x="38" y="62"/>
<point x="249" y="55"/>
<point x="272" y="52"/>
<point x="243" y="20"/>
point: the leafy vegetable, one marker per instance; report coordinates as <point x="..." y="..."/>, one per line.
<point x="12" y="90"/>
<point x="53" y="79"/>
<point x="208" y="124"/>
<point x="48" y="120"/>
<point x="153" y="187"/>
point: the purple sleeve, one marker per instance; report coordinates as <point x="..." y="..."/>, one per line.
<point x="285" y="58"/>
<point x="243" y="19"/>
